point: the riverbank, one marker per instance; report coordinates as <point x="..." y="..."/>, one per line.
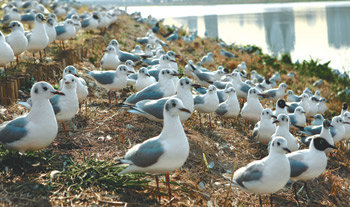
<point x="80" y="170"/>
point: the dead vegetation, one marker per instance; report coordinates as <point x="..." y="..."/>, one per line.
<point x="80" y="170"/>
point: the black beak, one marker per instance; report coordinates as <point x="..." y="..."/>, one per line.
<point x="177" y="56"/>
<point x="287" y="150"/>
<point x="273" y="116"/>
<point x="226" y="71"/>
<point x="58" y="93"/>
<point x="332" y="146"/>
<point x="346" y="122"/>
<point x="76" y="75"/>
<point x="196" y="86"/>
<point x="185" y="110"/>
<point x="174" y="61"/>
<point x="287" y="105"/>
<point x="148" y="75"/>
<point x="276" y="121"/>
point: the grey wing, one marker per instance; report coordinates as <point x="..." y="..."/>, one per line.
<point x="147" y="154"/>
<point x="221" y="110"/>
<point x="124" y="56"/>
<point x="13" y="131"/>
<point x="333" y="132"/>
<point x="60" y="30"/>
<point x="105" y="77"/>
<point x="292" y="107"/>
<point x="297" y="167"/>
<point x="312" y="130"/>
<point x="198" y="100"/>
<point x="54" y="102"/>
<point x="220" y="85"/>
<point x="154" y="73"/>
<point x="151" y="92"/>
<point x="205" y="77"/>
<point x="293" y="120"/>
<point x="27" y="18"/>
<point x="256" y="129"/>
<point x="28" y="36"/>
<point x="6" y="18"/>
<point x="155" y="108"/>
<point x="133" y="76"/>
<point x="269" y="94"/>
<point x="85" y="23"/>
<point x="221" y="96"/>
<point x="252" y="173"/>
<point x="245" y="88"/>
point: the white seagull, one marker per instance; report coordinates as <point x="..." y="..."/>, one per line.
<point x="252" y="109"/>
<point x="16" y="39"/>
<point x="283" y="131"/>
<point x="265" y="128"/>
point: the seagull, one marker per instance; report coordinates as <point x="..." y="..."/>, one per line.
<point x="346" y="118"/>
<point x="283" y="130"/>
<point x="207" y="103"/>
<point x="38" y="128"/>
<point x="163" y="153"/>
<point x="304" y="102"/>
<point x="275" y="93"/>
<point x="67" y="106"/>
<point x="188" y="69"/>
<point x="240" y="87"/>
<point x="313" y="108"/>
<point x="37" y="38"/>
<point x="298" y="118"/>
<point x="281" y="107"/>
<point x="256" y="77"/>
<point x="276" y="77"/>
<point x="230" y="107"/>
<point x="123" y="56"/>
<point x="252" y="108"/>
<point x="164" y="63"/>
<point x="291" y="97"/>
<point x="207" y="58"/>
<point x="110" y="60"/>
<point x="90" y="23"/>
<point x="309" y="163"/>
<point x="28" y="17"/>
<point x="77" y="24"/>
<point x="16" y="39"/>
<point x="321" y="106"/>
<point x="265" y="128"/>
<point x="268" y="175"/>
<point x="6" y="51"/>
<point x="11" y="15"/>
<point x="82" y="89"/>
<point x="226" y="54"/>
<point x="308" y="92"/>
<point x="173" y="37"/>
<point x="111" y="80"/>
<point x="163" y="88"/>
<point x="173" y="63"/>
<point x="318" y="119"/>
<point x="325" y="133"/>
<point x="152" y="109"/>
<point x="65" y="31"/>
<point x="130" y="65"/>
<point x="144" y="79"/>
<point x="265" y="85"/>
<point x="50" y="29"/>
<point x="137" y="50"/>
<point x="344" y="109"/>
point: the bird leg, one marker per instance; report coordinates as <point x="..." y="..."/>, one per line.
<point x="307" y="191"/>
<point x="116" y="98"/>
<point x="109" y="98"/>
<point x="41" y="60"/>
<point x="86" y="108"/>
<point x="168" y="183"/>
<point x="200" y="119"/>
<point x="34" y="57"/>
<point x="158" y="193"/>
<point x="210" y="121"/>
<point x="17" y="59"/>
<point x="260" y="201"/>
<point x="271" y="200"/>
<point x="295" y="194"/>
<point x="64" y="128"/>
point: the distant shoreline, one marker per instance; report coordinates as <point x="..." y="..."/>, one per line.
<point x="111" y="2"/>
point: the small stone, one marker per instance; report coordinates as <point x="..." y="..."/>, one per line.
<point x="108" y="137"/>
<point x="130" y="126"/>
<point x="211" y="165"/>
<point x="201" y="186"/>
<point x="101" y="138"/>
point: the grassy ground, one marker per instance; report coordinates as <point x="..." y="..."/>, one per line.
<point x="80" y="170"/>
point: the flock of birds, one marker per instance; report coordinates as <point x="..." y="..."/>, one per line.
<point x="164" y="95"/>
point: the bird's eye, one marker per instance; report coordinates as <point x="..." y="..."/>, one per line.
<point x="174" y="104"/>
<point x="278" y="143"/>
<point x="73" y="80"/>
<point x="168" y="72"/>
<point x="163" y="72"/>
<point x="187" y="82"/>
<point x="45" y="88"/>
<point x="282" y="119"/>
<point x="181" y="84"/>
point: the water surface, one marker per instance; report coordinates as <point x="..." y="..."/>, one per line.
<point x="318" y="30"/>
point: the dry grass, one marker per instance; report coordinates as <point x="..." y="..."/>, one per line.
<point x="80" y="171"/>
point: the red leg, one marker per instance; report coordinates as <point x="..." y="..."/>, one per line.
<point x="168" y="183"/>
<point x="158" y="193"/>
<point x="116" y="98"/>
<point x="109" y="98"/>
<point x="17" y="59"/>
<point x="64" y="128"/>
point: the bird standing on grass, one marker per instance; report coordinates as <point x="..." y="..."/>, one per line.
<point x="163" y="153"/>
<point x="38" y="128"/>
<point x="268" y="175"/>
